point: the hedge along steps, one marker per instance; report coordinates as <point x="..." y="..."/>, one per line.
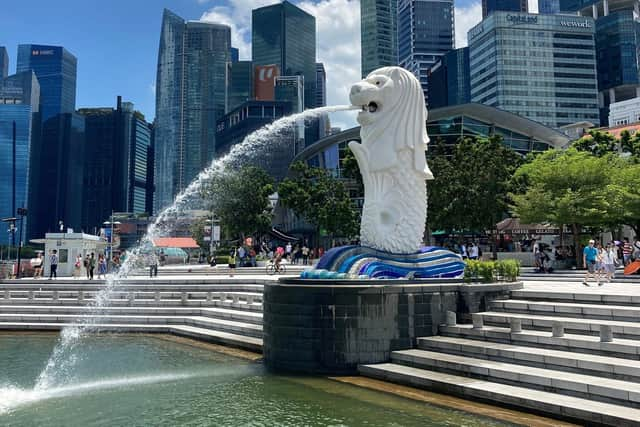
<point x="491" y="271"/>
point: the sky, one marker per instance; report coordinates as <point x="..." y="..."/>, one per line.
<point x="116" y="41"/>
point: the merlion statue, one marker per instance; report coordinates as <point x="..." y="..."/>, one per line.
<point x="392" y="160"/>
<point x="394" y="171"/>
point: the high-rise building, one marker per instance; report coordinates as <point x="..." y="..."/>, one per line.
<point x="285" y="35"/>
<point x="617" y="33"/>
<point x="449" y="79"/>
<point x="56" y="69"/>
<point x="321" y="85"/>
<point x="490" y="6"/>
<point x="541" y="67"/>
<point x="57" y="175"/>
<point x="548" y="7"/>
<point x="234" y="54"/>
<point x="378" y="34"/>
<point x="240" y="88"/>
<point x="115" y="163"/>
<point x="19" y="102"/>
<point x="425" y="34"/>
<point x="4" y="63"/>
<point x="190" y="97"/>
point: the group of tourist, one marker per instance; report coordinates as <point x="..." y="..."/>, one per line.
<point x="90" y="263"/>
<point x="601" y="261"/>
<point x="470" y="250"/>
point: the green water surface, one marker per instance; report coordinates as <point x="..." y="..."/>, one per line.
<point x="141" y="380"/>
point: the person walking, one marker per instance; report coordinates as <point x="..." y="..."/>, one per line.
<point x="102" y="267"/>
<point x="77" y="267"/>
<point x="53" y="261"/>
<point x="232" y="261"/>
<point x="609" y="260"/>
<point x="153" y="265"/>
<point x="473" y="251"/>
<point x="305" y="255"/>
<point x="37" y="266"/>
<point x="86" y="263"/>
<point x="92" y="265"/>
<point x="589" y="259"/>
<point x="463" y="251"/>
<point x="288" y="248"/>
<point x="627" y="250"/>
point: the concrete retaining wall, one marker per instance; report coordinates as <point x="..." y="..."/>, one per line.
<point x="331" y="328"/>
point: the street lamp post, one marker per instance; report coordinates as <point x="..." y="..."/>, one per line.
<point x="22" y="212"/>
<point x="111" y="223"/>
<point x="11" y="222"/>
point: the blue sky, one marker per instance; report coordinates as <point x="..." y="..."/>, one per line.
<point x="116" y="41"/>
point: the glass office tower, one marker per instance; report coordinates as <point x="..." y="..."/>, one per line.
<point x="56" y="69"/>
<point x="378" y="34"/>
<point x="4" y="62"/>
<point x="240" y="88"/>
<point x="541" y="67"/>
<point x="285" y="35"/>
<point x="425" y="34"/>
<point x="490" y="6"/>
<point x="449" y="79"/>
<point x="321" y="85"/>
<point x="190" y="96"/>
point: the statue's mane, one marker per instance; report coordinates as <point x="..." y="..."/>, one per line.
<point x="404" y="122"/>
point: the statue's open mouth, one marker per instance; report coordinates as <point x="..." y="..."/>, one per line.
<point x="372" y="107"/>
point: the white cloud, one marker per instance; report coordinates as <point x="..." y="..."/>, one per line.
<point x="466" y="17"/>
<point x="338" y="34"/>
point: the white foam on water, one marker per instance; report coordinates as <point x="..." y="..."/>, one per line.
<point x="60" y="365"/>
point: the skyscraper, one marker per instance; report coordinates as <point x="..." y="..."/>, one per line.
<point x="190" y="97"/>
<point x="449" y="79"/>
<point x="425" y="34"/>
<point x="321" y="85"/>
<point x="541" y="67"/>
<point x="490" y="6"/>
<point x="378" y="34"/>
<point x="4" y="62"/>
<point x="56" y="69"/>
<point x="19" y="100"/>
<point x="240" y="88"/>
<point x="548" y="7"/>
<point x="285" y="35"/>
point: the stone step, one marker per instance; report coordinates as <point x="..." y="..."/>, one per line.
<point x="203" y="334"/>
<point x="122" y="302"/>
<point x="219" y="313"/>
<point x="597" y="295"/>
<point x="558" y="405"/>
<point x="625" y="348"/>
<point x="620" y="329"/>
<point x="567" y="309"/>
<point x="610" y="367"/>
<point x="578" y="385"/>
<point x="236" y="327"/>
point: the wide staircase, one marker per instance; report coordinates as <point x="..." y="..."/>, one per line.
<point x="225" y="311"/>
<point x="555" y="348"/>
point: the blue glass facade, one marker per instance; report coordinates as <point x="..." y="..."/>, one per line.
<point x="378" y="34"/>
<point x="23" y="118"/>
<point x="538" y="66"/>
<point x="425" y="34"/>
<point x="240" y="84"/>
<point x="56" y="69"/>
<point x="285" y="35"/>
<point x="321" y="85"/>
<point x="4" y="62"/>
<point x="548" y="7"/>
<point x="490" y="6"/>
<point x="450" y="80"/>
<point x="190" y="96"/>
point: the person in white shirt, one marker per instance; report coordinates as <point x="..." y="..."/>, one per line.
<point x="609" y="260"/>
<point x="473" y="251"/>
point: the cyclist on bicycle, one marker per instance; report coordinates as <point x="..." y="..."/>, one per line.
<point x="277" y="259"/>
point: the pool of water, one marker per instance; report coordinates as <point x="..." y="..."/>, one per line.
<point x="141" y="380"/>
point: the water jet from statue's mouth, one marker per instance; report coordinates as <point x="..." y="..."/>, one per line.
<point x="372" y="107"/>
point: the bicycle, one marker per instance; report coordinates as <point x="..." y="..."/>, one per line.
<point x="271" y="269"/>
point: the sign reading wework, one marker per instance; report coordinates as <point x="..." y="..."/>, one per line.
<point x="576" y="24"/>
<point x="522" y="19"/>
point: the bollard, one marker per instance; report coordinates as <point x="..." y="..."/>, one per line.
<point x="236" y="299"/>
<point x="185" y="297"/>
<point x="249" y="299"/>
<point x="606" y="333"/>
<point x="80" y="296"/>
<point x="132" y="297"/>
<point x="516" y="325"/>
<point x="223" y="297"/>
<point x="7" y="294"/>
<point x="557" y="329"/>
<point x="209" y="296"/>
<point x="157" y="296"/>
<point x="55" y="295"/>
<point x="478" y="321"/>
<point x="30" y="295"/>
<point x="451" y="318"/>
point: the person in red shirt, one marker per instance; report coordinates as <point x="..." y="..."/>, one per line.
<point x="627" y="250"/>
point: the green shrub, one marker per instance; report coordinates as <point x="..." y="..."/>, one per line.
<point x="491" y="271"/>
<point x="222" y="259"/>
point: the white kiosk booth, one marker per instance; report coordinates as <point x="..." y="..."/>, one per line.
<point x="69" y="246"/>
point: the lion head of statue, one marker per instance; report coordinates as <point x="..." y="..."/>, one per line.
<point x="392" y="118"/>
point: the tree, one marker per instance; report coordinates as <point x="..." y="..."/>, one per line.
<point x="240" y="200"/>
<point x="471" y="185"/>
<point x="197" y="231"/>
<point x="566" y="188"/>
<point x="625" y="191"/>
<point x="321" y="199"/>
<point x="597" y="143"/>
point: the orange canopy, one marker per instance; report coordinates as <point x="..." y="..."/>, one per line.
<point x="175" y="242"/>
